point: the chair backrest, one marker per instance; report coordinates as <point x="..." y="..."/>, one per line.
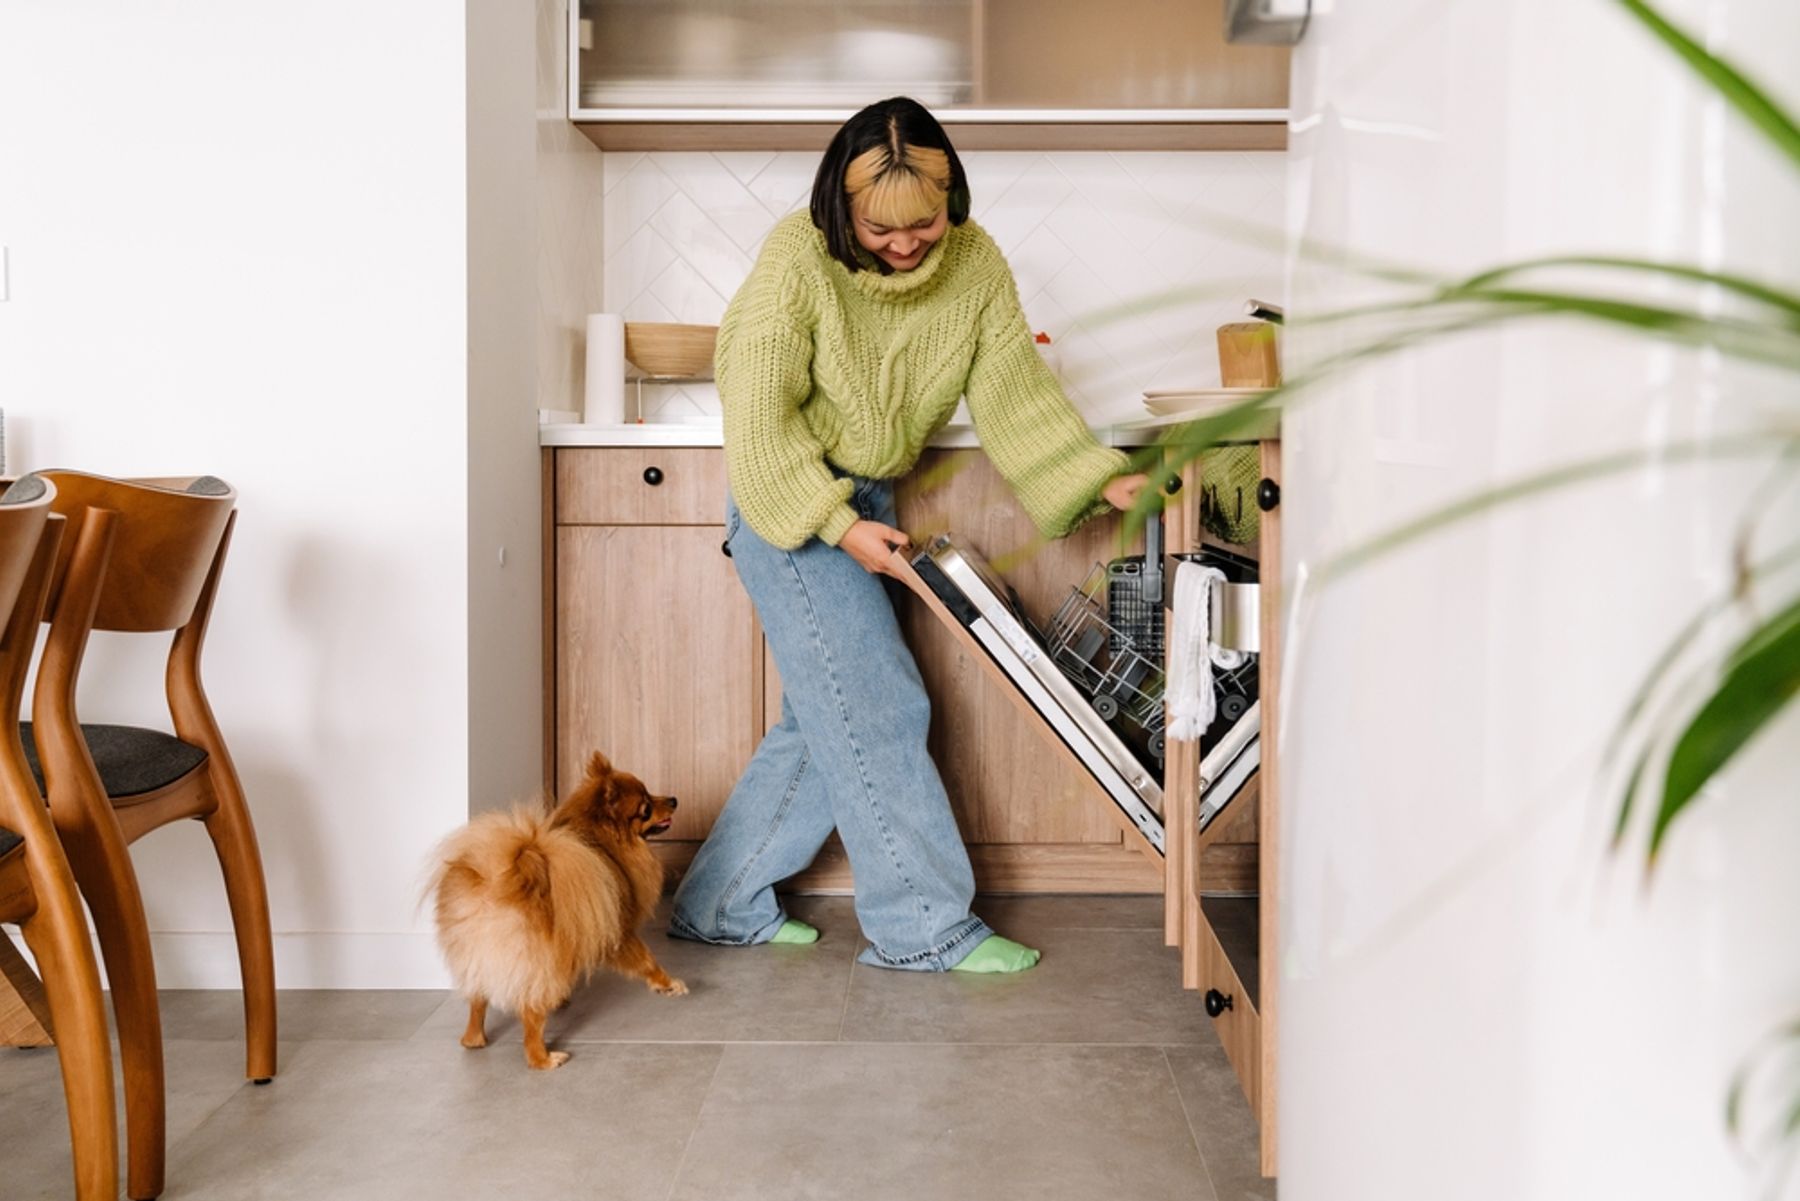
<point x="29" y="536"/>
<point x="165" y="539"/>
<point x="24" y="509"/>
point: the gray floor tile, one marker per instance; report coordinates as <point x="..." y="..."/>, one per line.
<point x="390" y="1121"/>
<point x="448" y="1019"/>
<point x="1010" y="914"/>
<point x="1223" y="1125"/>
<point x="300" y="1013"/>
<point x="376" y="1099"/>
<point x="201" y="1076"/>
<point x="735" y="994"/>
<point x="1092" y="986"/>
<point x="922" y="1123"/>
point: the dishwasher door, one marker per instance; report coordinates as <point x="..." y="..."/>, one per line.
<point x="973" y="601"/>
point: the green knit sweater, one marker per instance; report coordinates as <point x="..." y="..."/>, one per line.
<point x="817" y="364"/>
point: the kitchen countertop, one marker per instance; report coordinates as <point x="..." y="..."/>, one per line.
<point x="1138" y="431"/>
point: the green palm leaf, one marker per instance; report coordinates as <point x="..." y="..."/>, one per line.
<point x="1737" y="90"/>
<point x="1744" y="286"/>
<point x="1665" y="663"/>
<point x="1762" y="677"/>
<point x="1777" y="344"/>
<point x="1579" y="472"/>
<point x="1787" y="1035"/>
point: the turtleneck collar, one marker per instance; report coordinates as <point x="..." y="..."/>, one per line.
<point x="871" y="282"/>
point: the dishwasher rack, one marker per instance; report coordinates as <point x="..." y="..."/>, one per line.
<point x="1121" y="676"/>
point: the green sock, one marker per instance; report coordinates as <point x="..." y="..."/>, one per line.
<point x="795" y="932"/>
<point x="996" y="954"/>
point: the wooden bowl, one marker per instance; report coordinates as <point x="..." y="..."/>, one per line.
<point x="664" y="349"/>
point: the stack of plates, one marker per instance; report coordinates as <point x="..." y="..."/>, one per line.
<point x="1195" y="402"/>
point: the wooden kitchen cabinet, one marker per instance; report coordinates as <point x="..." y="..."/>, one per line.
<point x="656" y="657"/>
<point x="1222" y="902"/>
<point x="651" y="642"/>
<point x="1006" y="74"/>
<point x="654" y="638"/>
<point x="1008" y="792"/>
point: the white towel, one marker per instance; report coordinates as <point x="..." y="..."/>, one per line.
<point x="1192" y="653"/>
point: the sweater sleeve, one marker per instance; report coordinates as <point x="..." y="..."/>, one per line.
<point x="1034" y="436"/>
<point x="763" y="368"/>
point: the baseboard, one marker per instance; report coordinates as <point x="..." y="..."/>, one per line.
<point x="302" y="960"/>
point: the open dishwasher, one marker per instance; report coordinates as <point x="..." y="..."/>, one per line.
<point x="1094" y="672"/>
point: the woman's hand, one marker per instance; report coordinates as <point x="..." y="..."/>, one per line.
<point x="870" y="543"/>
<point x="1121" y="492"/>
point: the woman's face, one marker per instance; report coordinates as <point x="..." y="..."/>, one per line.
<point x="903" y="248"/>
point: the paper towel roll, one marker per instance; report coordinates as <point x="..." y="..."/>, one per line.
<point x="604" y="393"/>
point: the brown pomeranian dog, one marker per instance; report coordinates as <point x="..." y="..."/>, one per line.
<point x="530" y="903"/>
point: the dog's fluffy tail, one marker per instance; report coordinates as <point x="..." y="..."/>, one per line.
<point x="530" y="885"/>
<point x="523" y="910"/>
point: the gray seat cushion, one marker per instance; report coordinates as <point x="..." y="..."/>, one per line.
<point x="8" y="840"/>
<point x="131" y="759"/>
<point x="23" y="491"/>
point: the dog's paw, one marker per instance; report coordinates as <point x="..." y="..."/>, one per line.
<point x="474" y="1042"/>
<point x="674" y="988"/>
<point x="552" y="1061"/>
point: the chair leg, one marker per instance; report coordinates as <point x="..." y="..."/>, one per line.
<point x="72" y="986"/>
<point x="103" y="871"/>
<point x="234" y="839"/>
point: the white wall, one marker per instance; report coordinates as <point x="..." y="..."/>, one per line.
<point x="505" y="709"/>
<point x="1477" y="1001"/>
<point x="1084" y="231"/>
<point x="569" y="221"/>
<point x="240" y="243"/>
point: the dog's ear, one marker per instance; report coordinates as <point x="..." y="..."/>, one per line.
<point x="597" y="766"/>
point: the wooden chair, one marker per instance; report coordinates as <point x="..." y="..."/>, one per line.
<point x="145" y="556"/>
<point x="37" y="889"/>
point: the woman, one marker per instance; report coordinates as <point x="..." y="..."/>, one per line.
<point x="861" y="325"/>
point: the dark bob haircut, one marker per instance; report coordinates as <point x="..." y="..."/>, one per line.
<point x="896" y="122"/>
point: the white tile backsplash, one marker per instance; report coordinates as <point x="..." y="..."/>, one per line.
<point x="1083" y="231"/>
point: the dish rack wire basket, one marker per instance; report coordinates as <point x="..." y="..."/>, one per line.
<point x="1111" y="663"/>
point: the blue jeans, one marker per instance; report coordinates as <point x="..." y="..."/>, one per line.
<point x="849" y="754"/>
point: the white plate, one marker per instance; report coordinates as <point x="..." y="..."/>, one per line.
<point x="1193" y="404"/>
<point x="1201" y="394"/>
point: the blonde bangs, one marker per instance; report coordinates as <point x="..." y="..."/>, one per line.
<point x="898" y="192"/>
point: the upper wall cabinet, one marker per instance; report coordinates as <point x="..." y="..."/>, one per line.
<point x="1005" y="74"/>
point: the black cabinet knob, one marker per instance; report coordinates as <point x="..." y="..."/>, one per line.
<point x="653" y="476"/>
<point x="1216" y="1002"/>
<point x="1173" y="486"/>
<point x="725" y="548"/>
<point x="1268" y="495"/>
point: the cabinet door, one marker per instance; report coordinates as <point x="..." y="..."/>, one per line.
<point x="657" y="662"/>
<point x="774" y="54"/>
<point x="1036" y="59"/>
